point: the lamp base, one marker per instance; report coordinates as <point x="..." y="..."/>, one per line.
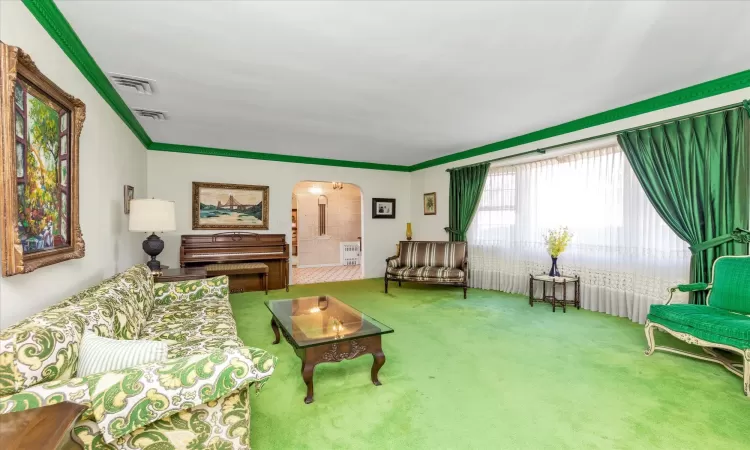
<point x="153" y="245"/>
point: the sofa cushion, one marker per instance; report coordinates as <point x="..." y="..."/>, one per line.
<point x="99" y="354"/>
<point x="438" y="254"/>
<point x="192" y="321"/>
<point x="37" y="353"/>
<point x="111" y="311"/>
<point x="704" y="322"/>
<point x="427" y="273"/>
<point x="210" y="289"/>
<point x="117" y="307"/>
<point x="140" y="282"/>
<point x="731" y="284"/>
<point x="194" y="346"/>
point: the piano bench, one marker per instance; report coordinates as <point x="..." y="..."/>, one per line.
<point x="238" y="271"/>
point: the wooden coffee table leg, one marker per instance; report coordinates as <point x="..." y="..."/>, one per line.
<point x="307" y="375"/>
<point x="275" y="331"/>
<point x="378" y="359"/>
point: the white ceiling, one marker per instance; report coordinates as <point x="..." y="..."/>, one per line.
<point x="400" y="82"/>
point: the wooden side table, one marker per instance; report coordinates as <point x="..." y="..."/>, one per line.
<point x="183" y="274"/>
<point x="48" y="427"/>
<point x="552" y="298"/>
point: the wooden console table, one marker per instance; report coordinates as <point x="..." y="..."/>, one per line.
<point x="552" y="297"/>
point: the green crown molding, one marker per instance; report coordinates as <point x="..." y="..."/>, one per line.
<point x="47" y="14"/>
<point x="50" y="17"/>
<point x="689" y="94"/>
<point x="164" y="147"/>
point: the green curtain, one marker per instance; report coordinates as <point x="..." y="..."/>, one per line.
<point x="466" y="188"/>
<point x="695" y="173"/>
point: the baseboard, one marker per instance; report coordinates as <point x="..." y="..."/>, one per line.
<point x="312" y="266"/>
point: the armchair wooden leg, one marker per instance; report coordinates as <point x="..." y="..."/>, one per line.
<point x="464" y="292"/>
<point x="399" y="283"/>
<point x="650" y="338"/>
<point x="386" y="284"/>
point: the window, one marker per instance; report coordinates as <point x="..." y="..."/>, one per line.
<point x="498" y="207"/>
<point x="626" y="255"/>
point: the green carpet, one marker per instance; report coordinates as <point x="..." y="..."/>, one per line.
<point x="490" y="372"/>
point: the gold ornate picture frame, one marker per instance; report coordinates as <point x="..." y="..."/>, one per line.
<point x="220" y="206"/>
<point x="40" y="129"/>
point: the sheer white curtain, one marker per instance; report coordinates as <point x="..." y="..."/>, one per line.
<point x="623" y="251"/>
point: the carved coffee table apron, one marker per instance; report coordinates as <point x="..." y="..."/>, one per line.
<point x="325" y="329"/>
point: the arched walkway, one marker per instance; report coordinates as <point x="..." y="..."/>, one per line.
<point x="326" y="232"/>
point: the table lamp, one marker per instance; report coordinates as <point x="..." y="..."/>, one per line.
<point x="151" y="215"/>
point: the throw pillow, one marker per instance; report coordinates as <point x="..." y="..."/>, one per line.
<point x="99" y="354"/>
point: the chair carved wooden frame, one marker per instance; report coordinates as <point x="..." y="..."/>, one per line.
<point x="741" y="369"/>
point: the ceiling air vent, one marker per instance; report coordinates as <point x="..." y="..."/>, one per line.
<point x="150" y="114"/>
<point x="127" y="82"/>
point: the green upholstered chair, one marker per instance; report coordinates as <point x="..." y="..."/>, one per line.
<point x="722" y="323"/>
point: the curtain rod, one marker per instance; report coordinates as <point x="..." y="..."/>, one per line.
<point x="543" y="150"/>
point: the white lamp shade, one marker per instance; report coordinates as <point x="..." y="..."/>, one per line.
<point x="151" y="215"/>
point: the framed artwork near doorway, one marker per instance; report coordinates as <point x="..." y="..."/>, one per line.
<point x="220" y="206"/>
<point x="383" y="208"/>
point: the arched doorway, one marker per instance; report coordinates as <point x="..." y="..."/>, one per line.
<point x="326" y="232"/>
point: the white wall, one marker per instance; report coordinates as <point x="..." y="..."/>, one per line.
<point x="170" y="177"/>
<point x="436" y="179"/>
<point x="110" y="157"/>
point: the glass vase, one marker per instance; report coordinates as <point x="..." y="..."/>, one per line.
<point x="553" y="272"/>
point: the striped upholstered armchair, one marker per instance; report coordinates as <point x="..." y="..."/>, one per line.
<point x="430" y="262"/>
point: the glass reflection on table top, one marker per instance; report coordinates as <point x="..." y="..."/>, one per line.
<point x="310" y="321"/>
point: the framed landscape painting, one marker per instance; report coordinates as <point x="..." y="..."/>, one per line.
<point x="218" y="206"/>
<point x="40" y="128"/>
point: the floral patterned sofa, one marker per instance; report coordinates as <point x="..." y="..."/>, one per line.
<point x="198" y="399"/>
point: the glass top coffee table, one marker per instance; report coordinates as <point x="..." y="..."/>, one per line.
<point x="325" y="329"/>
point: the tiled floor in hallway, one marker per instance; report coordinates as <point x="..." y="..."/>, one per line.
<point x="310" y="275"/>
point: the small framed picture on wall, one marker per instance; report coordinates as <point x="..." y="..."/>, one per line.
<point x="383" y="208"/>
<point x="430" y="204"/>
<point x="128" y="194"/>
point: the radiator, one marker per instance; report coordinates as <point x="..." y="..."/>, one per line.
<point x="350" y="253"/>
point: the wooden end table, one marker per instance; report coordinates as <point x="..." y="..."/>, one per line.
<point x="183" y="274"/>
<point x="48" y="427"/>
<point x="552" y="298"/>
<point x="325" y="329"/>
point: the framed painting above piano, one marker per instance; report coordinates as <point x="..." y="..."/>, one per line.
<point x="198" y="250"/>
<point x="221" y="206"/>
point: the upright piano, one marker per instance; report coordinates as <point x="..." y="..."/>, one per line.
<point x="271" y="249"/>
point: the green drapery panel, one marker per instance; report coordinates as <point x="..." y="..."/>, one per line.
<point x="695" y="173"/>
<point x="466" y="188"/>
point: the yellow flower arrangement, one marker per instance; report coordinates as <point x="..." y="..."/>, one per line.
<point x="557" y="240"/>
